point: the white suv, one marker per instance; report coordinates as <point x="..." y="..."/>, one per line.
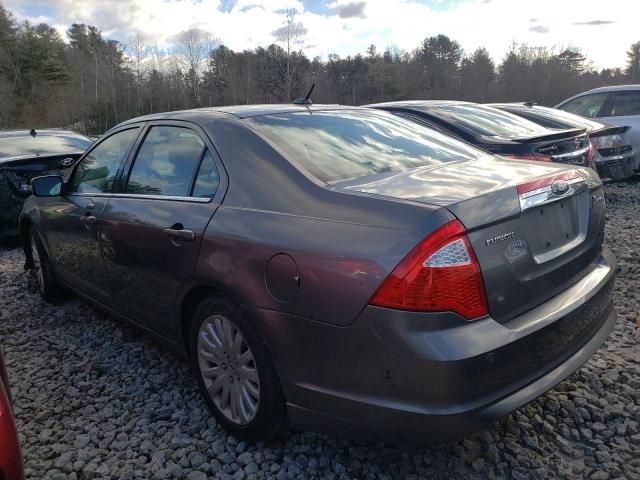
<point x="619" y="105"/>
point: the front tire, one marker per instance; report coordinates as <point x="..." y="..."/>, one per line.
<point x="235" y="373"/>
<point x="48" y="286"/>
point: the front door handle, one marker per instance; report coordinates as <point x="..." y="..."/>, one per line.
<point x="88" y="220"/>
<point x="181" y="234"/>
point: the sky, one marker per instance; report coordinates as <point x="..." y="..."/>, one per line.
<point x="602" y="31"/>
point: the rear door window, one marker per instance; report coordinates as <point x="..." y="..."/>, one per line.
<point x="208" y="178"/>
<point x="167" y="162"/>
<point x="488" y="121"/>
<point x="586" y="105"/>
<point x="625" y="103"/>
<point x="97" y="171"/>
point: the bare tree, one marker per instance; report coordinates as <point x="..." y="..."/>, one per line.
<point x="191" y="48"/>
<point x="138" y="52"/>
<point x="292" y="35"/>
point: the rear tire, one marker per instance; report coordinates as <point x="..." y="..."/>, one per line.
<point x="235" y="372"/>
<point x="49" y="288"/>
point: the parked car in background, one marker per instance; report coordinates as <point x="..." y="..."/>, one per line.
<point x="616" y="105"/>
<point x="614" y="156"/>
<point x="10" y="457"/>
<point x="25" y="154"/>
<point x="497" y="131"/>
<point x="341" y="267"/>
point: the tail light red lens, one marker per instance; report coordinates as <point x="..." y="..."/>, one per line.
<point x="591" y="157"/>
<point x="441" y="274"/>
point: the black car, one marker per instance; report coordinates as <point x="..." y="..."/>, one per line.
<point x="25" y="154"/>
<point x="614" y="156"/>
<point x="496" y="131"/>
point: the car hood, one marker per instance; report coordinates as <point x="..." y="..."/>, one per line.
<point x="24" y="160"/>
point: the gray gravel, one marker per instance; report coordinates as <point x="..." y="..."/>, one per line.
<point x="97" y="399"/>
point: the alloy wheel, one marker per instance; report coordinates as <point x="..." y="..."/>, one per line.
<point x="228" y="369"/>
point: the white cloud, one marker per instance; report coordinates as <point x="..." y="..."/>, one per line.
<point x="603" y="34"/>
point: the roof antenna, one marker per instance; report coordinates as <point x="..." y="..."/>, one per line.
<point x="33" y="133"/>
<point x="530" y="104"/>
<point x="306" y="100"/>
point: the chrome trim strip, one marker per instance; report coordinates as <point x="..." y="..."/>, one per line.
<point x="143" y="197"/>
<point x="576" y="153"/>
<point x="544" y="195"/>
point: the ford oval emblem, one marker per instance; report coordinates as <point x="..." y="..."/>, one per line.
<point x="559" y="187"/>
<point x="516" y="249"/>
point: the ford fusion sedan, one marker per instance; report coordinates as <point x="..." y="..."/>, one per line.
<point x="333" y="268"/>
<point x="496" y="131"/>
<point x="614" y="156"/>
<point x="25" y="154"/>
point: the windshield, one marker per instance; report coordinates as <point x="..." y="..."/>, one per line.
<point x="489" y="122"/>
<point x="43" y="144"/>
<point x="345" y="144"/>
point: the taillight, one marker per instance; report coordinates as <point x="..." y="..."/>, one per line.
<point x="440" y="274"/>
<point x="591" y="157"/>
<point x="538" y="158"/>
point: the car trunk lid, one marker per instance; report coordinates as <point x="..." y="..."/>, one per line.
<point x="535" y="227"/>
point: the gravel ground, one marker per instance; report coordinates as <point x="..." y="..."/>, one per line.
<point x="95" y="398"/>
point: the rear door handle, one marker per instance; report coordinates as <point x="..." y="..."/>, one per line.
<point x="186" y="235"/>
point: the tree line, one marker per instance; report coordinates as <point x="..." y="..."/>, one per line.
<point x="91" y="83"/>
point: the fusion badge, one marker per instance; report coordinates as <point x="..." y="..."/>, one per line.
<point x="498" y="239"/>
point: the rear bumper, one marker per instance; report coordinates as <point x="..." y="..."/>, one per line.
<point x="429" y="377"/>
<point x="616" y="169"/>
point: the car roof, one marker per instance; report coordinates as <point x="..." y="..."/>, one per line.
<point x="419" y="103"/>
<point x="239" y="111"/>
<point x="611" y="88"/>
<point x="39" y="131"/>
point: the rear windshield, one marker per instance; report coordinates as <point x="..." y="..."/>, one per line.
<point x="43" y="144"/>
<point x="487" y="121"/>
<point x="346" y="144"/>
<point x="567" y="118"/>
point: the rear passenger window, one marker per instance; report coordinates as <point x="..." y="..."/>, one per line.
<point x="167" y="162"/>
<point x="625" y="103"/>
<point x="208" y="178"/>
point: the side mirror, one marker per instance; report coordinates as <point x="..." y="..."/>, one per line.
<point x="47" y="186"/>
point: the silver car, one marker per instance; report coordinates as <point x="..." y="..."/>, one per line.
<point x="617" y="105"/>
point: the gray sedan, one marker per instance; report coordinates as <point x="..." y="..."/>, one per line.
<point x="333" y="268"/>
